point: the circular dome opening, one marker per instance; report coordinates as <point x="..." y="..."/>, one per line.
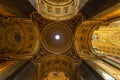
<point x="57" y="37"/>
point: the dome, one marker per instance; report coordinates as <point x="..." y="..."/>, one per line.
<point x="57" y="9"/>
<point x="58" y="2"/>
<point x="57" y="38"/>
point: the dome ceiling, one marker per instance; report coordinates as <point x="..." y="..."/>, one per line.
<point x="58" y="2"/>
<point x="57" y="38"/>
<point x="58" y="9"/>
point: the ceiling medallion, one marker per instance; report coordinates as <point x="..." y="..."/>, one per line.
<point x="57" y="38"/>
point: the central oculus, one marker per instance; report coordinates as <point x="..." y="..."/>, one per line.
<point x="57" y="37"/>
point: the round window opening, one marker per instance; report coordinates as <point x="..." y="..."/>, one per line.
<point x="57" y="37"/>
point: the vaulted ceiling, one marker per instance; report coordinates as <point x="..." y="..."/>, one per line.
<point x="28" y="29"/>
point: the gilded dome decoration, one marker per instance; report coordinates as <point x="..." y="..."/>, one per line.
<point x="57" y="38"/>
<point x="58" y="2"/>
<point x="58" y="9"/>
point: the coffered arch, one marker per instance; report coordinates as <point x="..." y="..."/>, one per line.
<point x="55" y="63"/>
<point x="18" y="38"/>
<point x="83" y="37"/>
